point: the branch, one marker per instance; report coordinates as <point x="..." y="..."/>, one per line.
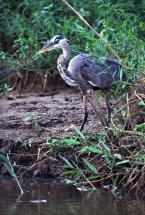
<point x="92" y="29"/>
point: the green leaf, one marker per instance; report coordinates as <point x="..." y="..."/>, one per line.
<point x="106" y="147"/>
<point x="71" y="142"/>
<point x="4" y="158"/>
<point x="6" y="163"/>
<point x="122" y="162"/>
<point x="142" y="112"/>
<point x="118" y="156"/>
<point x="121" y="74"/>
<point x="67" y="162"/>
<point x="90" y="166"/>
<point x="93" y="177"/>
<point x="11" y="171"/>
<point x="87" y="149"/>
<point x="141" y="125"/>
<point x="79" y="132"/>
<point x="141" y="103"/>
<point x="73" y="171"/>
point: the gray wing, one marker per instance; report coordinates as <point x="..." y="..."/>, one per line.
<point x="101" y="73"/>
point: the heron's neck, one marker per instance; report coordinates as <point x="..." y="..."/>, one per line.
<point x="62" y="63"/>
<point x="66" y="52"/>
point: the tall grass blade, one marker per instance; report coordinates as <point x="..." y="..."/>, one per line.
<point x="7" y="163"/>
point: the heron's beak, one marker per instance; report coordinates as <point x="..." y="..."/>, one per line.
<point x="48" y="47"/>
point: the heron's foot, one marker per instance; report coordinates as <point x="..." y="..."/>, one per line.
<point x="108" y="122"/>
<point x="81" y="128"/>
<point x="84" y="121"/>
<point x="110" y="113"/>
<point x="109" y="107"/>
<point x="109" y="118"/>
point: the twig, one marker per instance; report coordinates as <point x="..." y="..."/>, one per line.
<point x="45" y="82"/>
<point x="92" y="29"/>
<point x="88" y="181"/>
<point x="124" y="106"/>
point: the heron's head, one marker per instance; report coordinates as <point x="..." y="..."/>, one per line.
<point x="56" y="42"/>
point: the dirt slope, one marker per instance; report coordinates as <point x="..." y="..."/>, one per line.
<point x="39" y="116"/>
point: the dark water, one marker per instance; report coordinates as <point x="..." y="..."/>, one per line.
<point x="50" y="198"/>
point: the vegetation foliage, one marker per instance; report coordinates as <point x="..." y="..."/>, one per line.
<point x="116" y="157"/>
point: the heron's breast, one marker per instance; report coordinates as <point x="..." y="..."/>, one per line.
<point x="66" y="76"/>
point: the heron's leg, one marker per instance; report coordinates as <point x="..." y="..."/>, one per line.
<point x="97" y="111"/>
<point x="109" y="110"/>
<point x="84" y="94"/>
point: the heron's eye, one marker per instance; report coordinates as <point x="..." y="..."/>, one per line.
<point x="56" y="40"/>
<point x="58" y="37"/>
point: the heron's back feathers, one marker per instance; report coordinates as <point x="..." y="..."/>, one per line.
<point x="99" y="73"/>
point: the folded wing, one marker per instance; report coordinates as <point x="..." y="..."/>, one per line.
<point x="101" y="73"/>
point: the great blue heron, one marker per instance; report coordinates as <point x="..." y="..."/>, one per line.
<point x="84" y="71"/>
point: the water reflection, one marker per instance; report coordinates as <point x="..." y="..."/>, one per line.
<point x="56" y="199"/>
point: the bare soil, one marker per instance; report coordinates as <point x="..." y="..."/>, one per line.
<point x="29" y="119"/>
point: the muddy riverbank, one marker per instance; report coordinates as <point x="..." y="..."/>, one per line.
<point x="27" y="120"/>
